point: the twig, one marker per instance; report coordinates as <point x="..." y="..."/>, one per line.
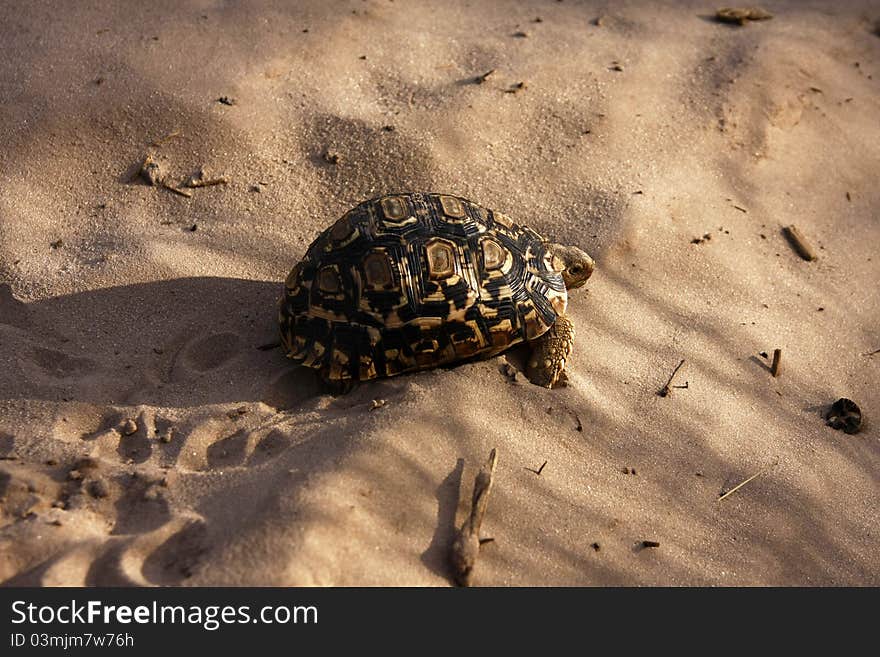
<point x="665" y="391"/>
<point x="871" y="353"/>
<point x="539" y="470"/>
<point x="757" y="474"/>
<point x="198" y="180"/>
<point x="466" y="546"/>
<point x="799" y="242"/>
<point x="480" y="79"/>
<point x="177" y="190"/>
<point x="169" y="136"/>
<point x="776" y="363"/>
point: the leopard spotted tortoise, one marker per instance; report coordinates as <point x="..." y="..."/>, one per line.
<point x="413" y="281"/>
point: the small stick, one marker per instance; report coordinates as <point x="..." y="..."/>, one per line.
<point x="665" y="391"/>
<point x="650" y="544"/>
<point x="539" y="470"/>
<point x="198" y="180"/>
<point x="193" y="182"/>
<point x="167" y="137"/>
<point x="177" y="190"/>
<point x="799" y="242"/>
<point x="871" y="353"/>
<point x="480" y="79"/>
<point x="466" y="546"/>
<point x="757" y="474"/>
<point x="777" y="361"/>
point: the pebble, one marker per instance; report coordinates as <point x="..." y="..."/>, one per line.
<point x="98" y="488"/>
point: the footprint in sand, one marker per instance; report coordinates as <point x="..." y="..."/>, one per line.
<point x="211" y="352"/>
<point x="130" y="435"/>
<point x="59" y="365"/>
<point x="229" y="451"/>
<point x="274" y="444"/>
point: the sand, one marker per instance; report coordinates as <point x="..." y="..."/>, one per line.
<point x="630" y="138"/>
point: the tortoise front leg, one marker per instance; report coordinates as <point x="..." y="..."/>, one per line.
<point x="335" y="387"/>
<point x="546" y="364"/>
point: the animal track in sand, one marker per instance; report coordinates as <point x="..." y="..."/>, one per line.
<point x="59" y="365"/>
<point x="174" y="559"/>
<point x="229" y="451"/>
<point x="211" y="352"/>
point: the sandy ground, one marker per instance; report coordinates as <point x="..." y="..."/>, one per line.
<point x="630" y="138"/>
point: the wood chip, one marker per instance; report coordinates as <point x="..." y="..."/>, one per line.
<point x="466" y="546"/>
<point x="799" y="242"/>
<point x="776" y="363"/>
<point x="742" y="15"/>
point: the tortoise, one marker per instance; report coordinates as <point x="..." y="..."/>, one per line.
<point x="413" y="281"/>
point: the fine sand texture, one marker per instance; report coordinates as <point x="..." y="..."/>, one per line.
<point x="146" y="437"/>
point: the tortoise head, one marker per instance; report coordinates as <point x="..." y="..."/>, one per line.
<point x="574" y="265"/>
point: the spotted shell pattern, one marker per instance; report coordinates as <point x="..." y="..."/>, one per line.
<point x="413" y="281"/>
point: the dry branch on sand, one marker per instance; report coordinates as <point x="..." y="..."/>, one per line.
<point x="466" y="546"/>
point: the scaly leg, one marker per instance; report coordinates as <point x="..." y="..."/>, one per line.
<point x="546" y="365"/>
<point x="335" y="387"/>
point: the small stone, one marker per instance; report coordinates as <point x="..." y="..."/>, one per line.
<point x="845" y="415"/>
<point x="226" y="100"/>
<point x="129" y="427"/>
<point x="98" y="488"/>
<point x="150" y="171"/>
<point x="377" y="403"/>
<point x="75" y="475"/>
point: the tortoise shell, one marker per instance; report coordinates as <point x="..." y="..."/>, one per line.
<point x="413" y="281"/>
